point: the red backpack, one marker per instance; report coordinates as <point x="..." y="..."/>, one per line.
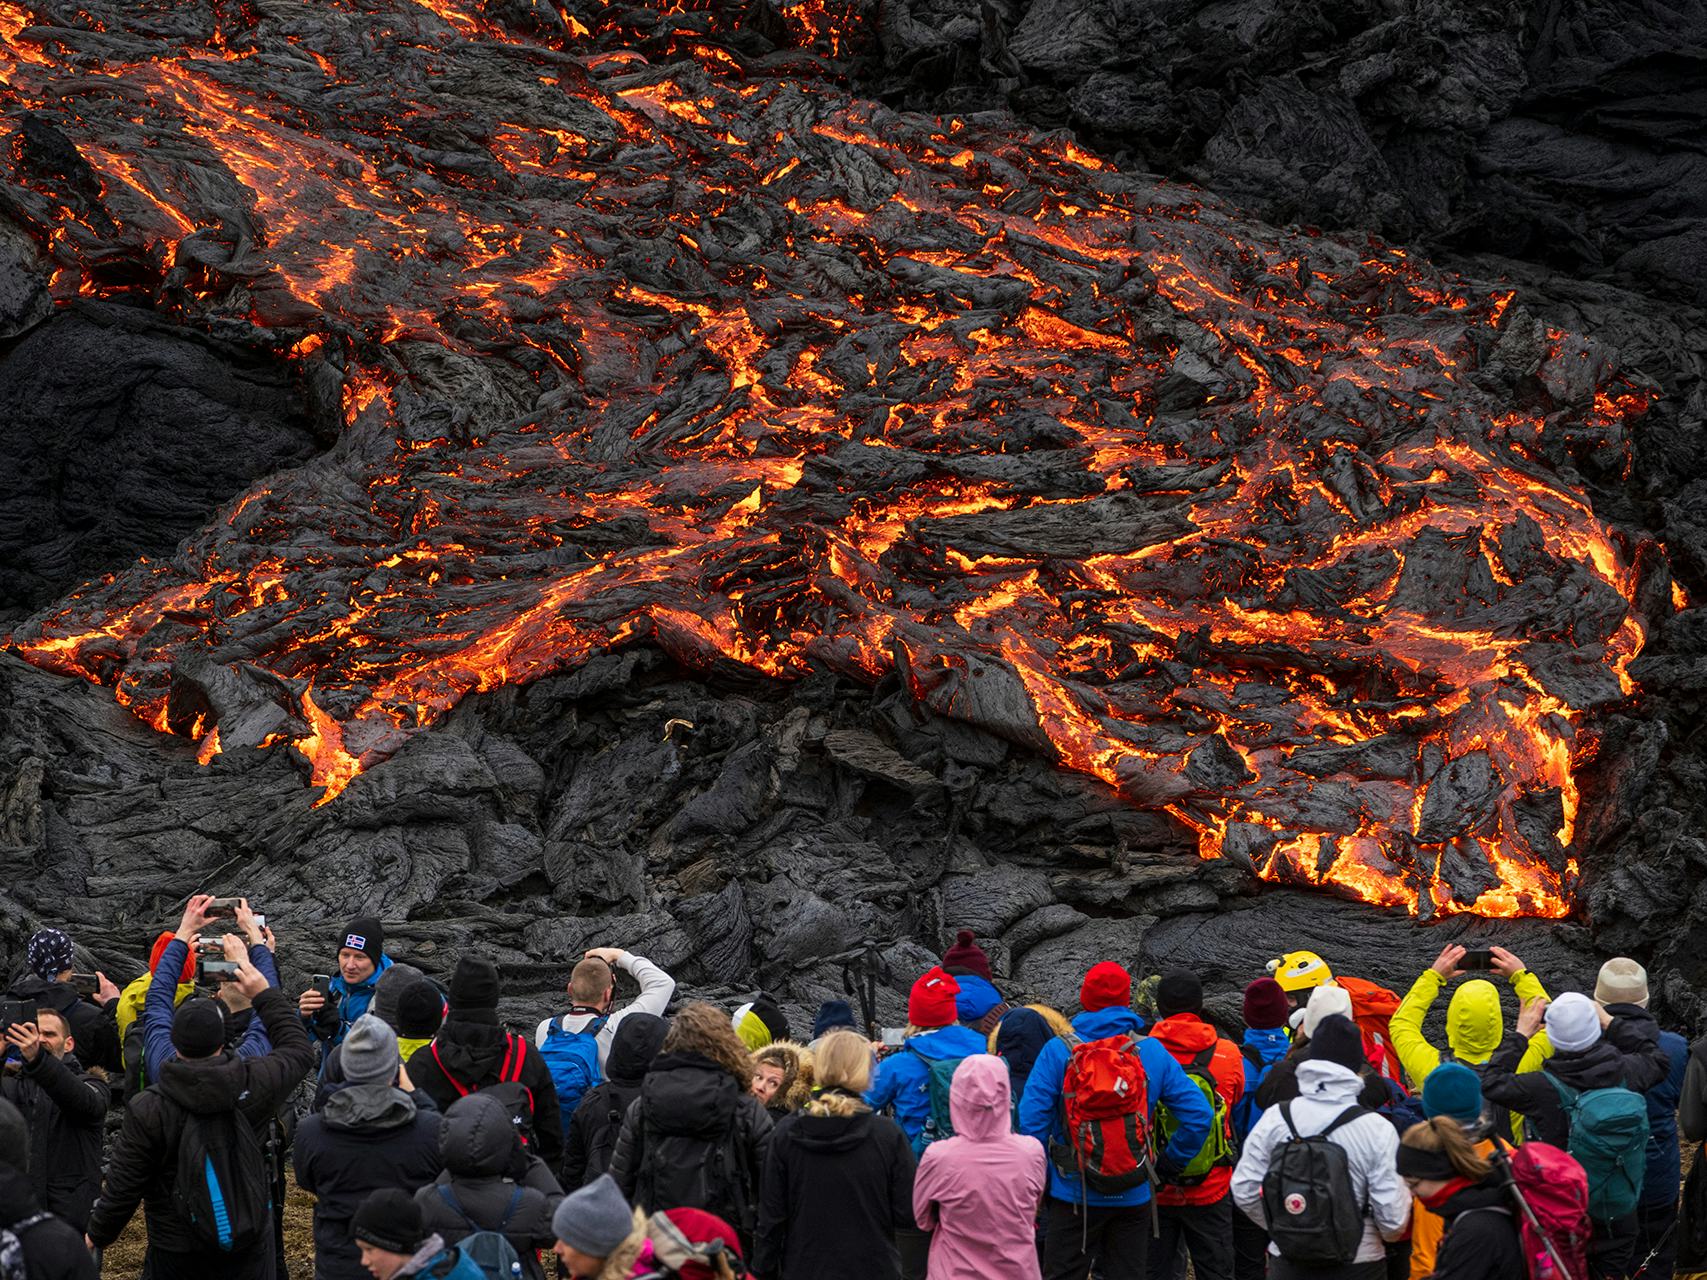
<point x="1555" y="1187"/>
<point x="1107" y="1101"/>
<point x="516" y="1097"/>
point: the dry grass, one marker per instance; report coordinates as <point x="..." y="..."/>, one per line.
<point x="124" y="1260"/>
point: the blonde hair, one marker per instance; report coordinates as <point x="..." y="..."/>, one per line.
<point x="1445" y="1136"/>
<point x="1054" y="1017"/>
<point x="842" y="1062"/>
<point x="704" y="1029"/>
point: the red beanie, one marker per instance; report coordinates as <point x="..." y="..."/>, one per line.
<point x="967" y="956"/>
<point x="1266" y="1005"/>
<point x="160" y="943"/>
<point x="1104" y="987"/>
<point x="931" y="1002"/>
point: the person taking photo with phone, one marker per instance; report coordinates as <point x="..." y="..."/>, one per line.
<point x="64" y="1110"/>
<point x="333" y="1002"/>
<point x="88" y="1001"/>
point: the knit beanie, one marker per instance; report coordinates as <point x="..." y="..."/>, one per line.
<point x="1430" y="1166"/>
<point x="1324" y="1000"/>
<point x="369" y="1052"/>
<point x="759" y="1022"/>
<point x="198" y="1028"/>
<point x="1573" y="1023"/>
<point x="594" y="1220"/>
<point x="14" y="1137"/>
<point x="389" y="988"/>
<point x="1452" y="1089"/>
<point x="966" y="956"/>
<point x="420" y="1010"/>
<point x="1179" y="992"/>
<point x="1336" y="1039"/>
<point x="931" y="1001"/>
<point x="1106" y="986"/>
<point x="832" y="1014"/>
<point x="1622" y="981"/>
<point x="159" y="949"/>
<point x="49" y="953"/>
<point x="474" y="985"/>
<point x="389" y="1219"/>
<point x="366" y="934"/>
<point x="1266" y="1005"/>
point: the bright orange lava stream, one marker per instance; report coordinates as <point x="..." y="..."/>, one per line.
<point x="1232" y="518"/>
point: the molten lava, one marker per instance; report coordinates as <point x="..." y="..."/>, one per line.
<point x="1249" y="524"/>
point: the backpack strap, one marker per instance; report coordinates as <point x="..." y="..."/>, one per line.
<point x="596" y="1025"/>
<point x="1343" y="1118"/>
<point x="1249" y="1053"/>
<point x="1201" y="1062"/>
<point x="1286" y="1115"/>
<point x="510" y="1209"/>
<point x="449" y="1197"/>
<point x="1567" y="1095"/>
<point x="514" y="1051"/>
<point x="462" y="1090"/>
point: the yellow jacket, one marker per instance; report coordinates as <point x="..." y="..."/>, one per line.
<point x="1474" y="1024"/>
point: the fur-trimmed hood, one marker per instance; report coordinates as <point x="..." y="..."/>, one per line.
<point x="796" y="1063"/>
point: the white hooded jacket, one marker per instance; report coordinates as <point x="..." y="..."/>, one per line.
<point x="1370" y="1142"/>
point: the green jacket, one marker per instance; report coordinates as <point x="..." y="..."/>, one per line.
<point x="1474" y="1024"/>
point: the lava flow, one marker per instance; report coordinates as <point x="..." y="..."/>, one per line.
<point x="1269" y="529"/>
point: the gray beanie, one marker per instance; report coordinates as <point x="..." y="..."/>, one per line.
<point x="389" y="987"/>
<point x="15" y="1138"/>
<point x="595" y="1219"/>
<point x="369" y="1052"/>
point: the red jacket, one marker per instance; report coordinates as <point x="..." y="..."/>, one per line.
<point x="1186" y="1035"/>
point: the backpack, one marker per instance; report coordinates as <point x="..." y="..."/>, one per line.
<point x="485" y="1255"/>
<point x="1246" y="1114"/>
<point x="572" y="1058"/>
<point x="1106" y="1097"/>
<point x="12" y="1248"/>
<point x="1217" y="1151"/>
<point x="449" y="1197"/>
<point x="515" y="1096"/>
<point x="939" y="1076"/>
<point x="1372" y="1009"/>
<point x="1556" y="1190"/>
<point x="1314" y="1216"/>
<point x="222" y="1189"/>
<point x="686" y="1170"/>
<point x="1609" y="1138"/>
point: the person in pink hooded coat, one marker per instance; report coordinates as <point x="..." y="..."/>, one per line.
<point x="978" y="1192"/>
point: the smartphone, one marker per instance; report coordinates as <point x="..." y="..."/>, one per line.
<point x="219" y="908"/>
<point x="894" y="1037"/>
<point x="214" y="947"/>
<point x="260" y="921"/>
<point x="15" y="1011"/>
<point x="322" y="982"/>
<point x="85" y="984"/>
<point x="1481" y="960"/>
<point x="217" y="971"/>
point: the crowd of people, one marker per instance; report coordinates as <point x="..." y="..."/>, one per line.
<point x="1326" y="1137"/>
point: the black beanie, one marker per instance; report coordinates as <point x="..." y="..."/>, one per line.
<point x="420" y="1010"/>
<point x="1179" y="992"/>
<point x="198" y="1028"/>
<point x="389" y="1219"/>
<point x="1337" y="1040"/>
<point x="474" y="985"/>
<point x="364" y="933"/>
<point x="770" y="1013"/>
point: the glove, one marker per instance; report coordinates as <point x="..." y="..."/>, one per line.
<point x="1168" y="1170"/>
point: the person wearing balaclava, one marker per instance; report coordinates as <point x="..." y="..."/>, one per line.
<point x="1594" y="1048"/>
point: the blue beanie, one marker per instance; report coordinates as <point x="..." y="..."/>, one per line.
<point x="1452" y="1089"/>
<point x="831" y="1015"/>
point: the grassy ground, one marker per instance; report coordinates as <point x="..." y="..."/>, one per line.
<point x="124" y="1260"/>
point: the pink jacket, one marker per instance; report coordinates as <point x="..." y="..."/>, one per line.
<point x="978" y="1191"/>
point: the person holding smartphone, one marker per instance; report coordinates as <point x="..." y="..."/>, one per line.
<point x="65" y="1111"/>
<point x="331" y="1008"/>
<point x="53" y="983"/>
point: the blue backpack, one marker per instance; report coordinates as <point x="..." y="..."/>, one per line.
<point x="485" y="1255"/>
<point x="572" y="1057"/>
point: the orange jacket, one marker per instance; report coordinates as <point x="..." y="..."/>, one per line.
<point x="1186" y="1035"/>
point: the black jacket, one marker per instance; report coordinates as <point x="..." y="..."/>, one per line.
<point x="1628" y="1053"/>
<point x="1481" y="1240"/>
<point x="590" y="1140"/>
<point x="835" y="1189"/>
<point x="366" y="1137"/>
<point x="496" y="1186"/>
<point x="693" y="1139"/>
<point x="66" y="1112"/>
<point x="473" y="1052"/>
<point x="143" y="1166"/>
<point x="53" y="1249"/>
<point x="94" y="1027"/>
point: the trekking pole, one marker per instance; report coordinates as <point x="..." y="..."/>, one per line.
<point x="1502" y="1159"/>
<point x="1654" y="1252"/>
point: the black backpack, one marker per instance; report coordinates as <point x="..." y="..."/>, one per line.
<point x="606" y="1105"/>
<point x="1314" y="1216"/>
<point x="222" y="1189"/>
<point x="682" y="1170"/>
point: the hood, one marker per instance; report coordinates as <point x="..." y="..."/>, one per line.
<point x="1020" y="1038"/>
<point x="368" y="1107"/>
<point x="478" y="1138"/>
<point x="1185" y="1033"/>
<point x="1271" y="1043"/>
<point x="690" y="1095"/>
<point x="1328" y="1082"/>
<point x="1107" y="1022"/>
<point x="471" y="1051"/>
<point x="980" y="1101"/>
<point x="17" y="1197"/>
<point x="947" y="1042"/>
<point x="203" y="1086"/>
<point x="829" y="1135"/>
<point x="45" y="994"/>
<point x="977" y="997"/>
<point x="1600" y="1066"/>
<point x="1638" y="1020"/>
<point x="1474" y="1024"/>
<point x="635" y="1042"/>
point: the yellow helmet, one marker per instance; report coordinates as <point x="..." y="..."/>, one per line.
<point x="1300" y="971"/>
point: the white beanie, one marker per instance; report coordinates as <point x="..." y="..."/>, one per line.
<point x="1622" y="981"/>
<point x="1325" y="999"/>
<point x="1573" y="1023"/>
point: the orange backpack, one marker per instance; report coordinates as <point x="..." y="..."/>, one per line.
<point x="1106" y="1096"/>
<point x="1372" y="1008"/>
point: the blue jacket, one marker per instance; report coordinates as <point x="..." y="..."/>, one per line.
<point x="1270" y="1046"/>
<point x="1042" y="1116"/>
<point x="1665" y="1170"/>
<point x="351" y="1003"/>
<point x="902" y="1082"/>
<point x="158" y="1007"/>
<point x="977" y="997"/>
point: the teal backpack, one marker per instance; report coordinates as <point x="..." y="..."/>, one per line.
<point x="485" y="1255"/>
<point x="1609" y="1139"/>
<point x="939" y="1123"/>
